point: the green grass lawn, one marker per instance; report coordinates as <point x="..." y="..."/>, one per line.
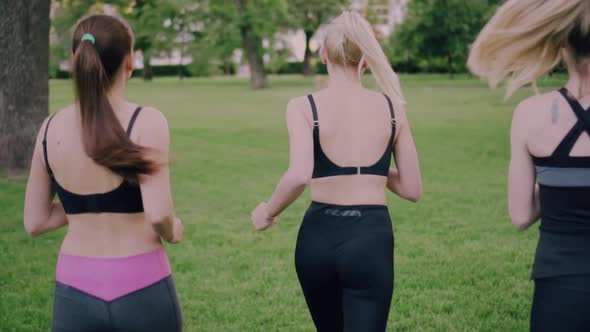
<point x="459" y="264"/>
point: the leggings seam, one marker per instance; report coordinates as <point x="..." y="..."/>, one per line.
<point x="172" y="301"/>
<point x="109" y="315"/>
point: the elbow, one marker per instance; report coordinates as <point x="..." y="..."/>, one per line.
<point x="520" y="220"/>
<point x="415" y="194"/>
<point x="299" y="181"/>
<point x="520" y="223"/>
<point x="31" y="228"/>
<point x="415" y="197"/>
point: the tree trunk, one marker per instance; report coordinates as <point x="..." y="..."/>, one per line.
<point x="252" y="44"/>
<point x="227" y="66"/>
<point x="24" y="71"/>
<point x="146" y="72"/>
<point x="308" y="69"/>
<point x="182" y="44"/>
<point x="450" y="66"/>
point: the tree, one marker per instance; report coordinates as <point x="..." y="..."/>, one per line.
<point x="252" y="45"/>
<point x="148" y="18"/>
<point x="257" y="20"/>
<point x="66" y="14"/>
<point x="221" y="37"/>
<point x="309" y="15"/>
<point x="24" y="69"/>
<point x="442" y="29"/>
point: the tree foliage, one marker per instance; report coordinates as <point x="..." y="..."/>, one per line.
<point x="439" y="32"/>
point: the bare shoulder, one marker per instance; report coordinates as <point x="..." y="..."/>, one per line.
<point x="399" y="109"/>
<point x="58" y="116"/>
<point x="299" y="103"/>
<point x="151" y="118"/>
<point x="537" y="103"/>
<point x="531" y="114"/>
<point x="299" y="106"/>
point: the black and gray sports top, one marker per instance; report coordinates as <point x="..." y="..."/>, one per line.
<point x="564" y="181"/>
<point x="126" y="198"/>
<point x="324" y="167"/>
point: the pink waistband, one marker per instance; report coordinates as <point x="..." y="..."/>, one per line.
<point x="111" y="278"/>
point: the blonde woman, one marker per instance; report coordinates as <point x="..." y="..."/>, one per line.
<point x="550" y="159"/>
<point x="341" y="139"/>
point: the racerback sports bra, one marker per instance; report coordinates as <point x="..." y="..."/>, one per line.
<point x="564" y="183"/>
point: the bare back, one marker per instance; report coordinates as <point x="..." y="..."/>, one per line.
<point x="355" y="130"/>
<point x="549" y="118"/>
<point x="96" y="234"/>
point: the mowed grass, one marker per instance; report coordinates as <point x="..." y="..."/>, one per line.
<point x="459" y="264"/>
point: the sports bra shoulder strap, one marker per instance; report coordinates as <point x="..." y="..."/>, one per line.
<point x="314" y="110"/>
<point x="390" y="109"/>
<point x="580" y="112"/>
<point x="49" y="171"/>
<point x="132" y="121"/>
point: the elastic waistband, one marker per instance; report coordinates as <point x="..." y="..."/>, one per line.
<point x="111" y="277"/>
<point x="158" y="252"/>
<point x="363" y="207"/>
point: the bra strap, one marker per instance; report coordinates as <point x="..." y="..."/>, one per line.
<point x="314" y="111"/>
<point x="582" y="114"/>
<point x="393" y="124"/>
<point x="132" y="121"/>
<point x="391" y="110"/>
<point x="49" y="171"/>
<point x="564" y="148"/>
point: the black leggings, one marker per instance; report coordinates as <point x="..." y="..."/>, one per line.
<point x="153" y="308"/>
<point x="344" y="261"/>
<point x="561" y="304"/>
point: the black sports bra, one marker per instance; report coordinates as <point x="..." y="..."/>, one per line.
<point x="324" y="167"/>
<point x="561" y="155"/>
<point x="126" y="198"/>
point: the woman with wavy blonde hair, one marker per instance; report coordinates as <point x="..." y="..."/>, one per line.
<point x="341" y="140"/>
<point x="550" y="147"/>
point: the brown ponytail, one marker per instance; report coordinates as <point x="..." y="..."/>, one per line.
<point x="96" y="64"/>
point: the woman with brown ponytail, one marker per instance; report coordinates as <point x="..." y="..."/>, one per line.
<point x="107" y="160"/>
<point x="550" y="147"/>
<point x="341" y="140"/>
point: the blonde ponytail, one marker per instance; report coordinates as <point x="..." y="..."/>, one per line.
<point x="524" y="40"/>
<point x="350" y="40"/>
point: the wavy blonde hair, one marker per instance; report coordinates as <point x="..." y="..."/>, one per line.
<point x="349" y="40"/>
<point x="525" y="38"/>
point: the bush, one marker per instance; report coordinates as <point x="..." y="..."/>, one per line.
<point x="321" y="68"/>
<point x="166" y="70"/>
<point x="290" y="68"/>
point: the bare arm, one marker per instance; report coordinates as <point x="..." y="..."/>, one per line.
<point x="293" y="183"/>
<point x="298" y="175"/>
<point x="405" y="180"/>
<point x="41" y="214"/>
<point x="523" y="193"/>
<point x="155" y="188"/>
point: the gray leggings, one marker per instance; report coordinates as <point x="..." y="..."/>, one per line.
<point x="153" y="308"/>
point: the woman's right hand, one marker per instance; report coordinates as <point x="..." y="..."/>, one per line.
<point x="177" y="231"/>
<point x="261" y="219"/>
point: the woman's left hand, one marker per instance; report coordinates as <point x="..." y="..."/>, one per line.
<point x="261" y="218"/>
